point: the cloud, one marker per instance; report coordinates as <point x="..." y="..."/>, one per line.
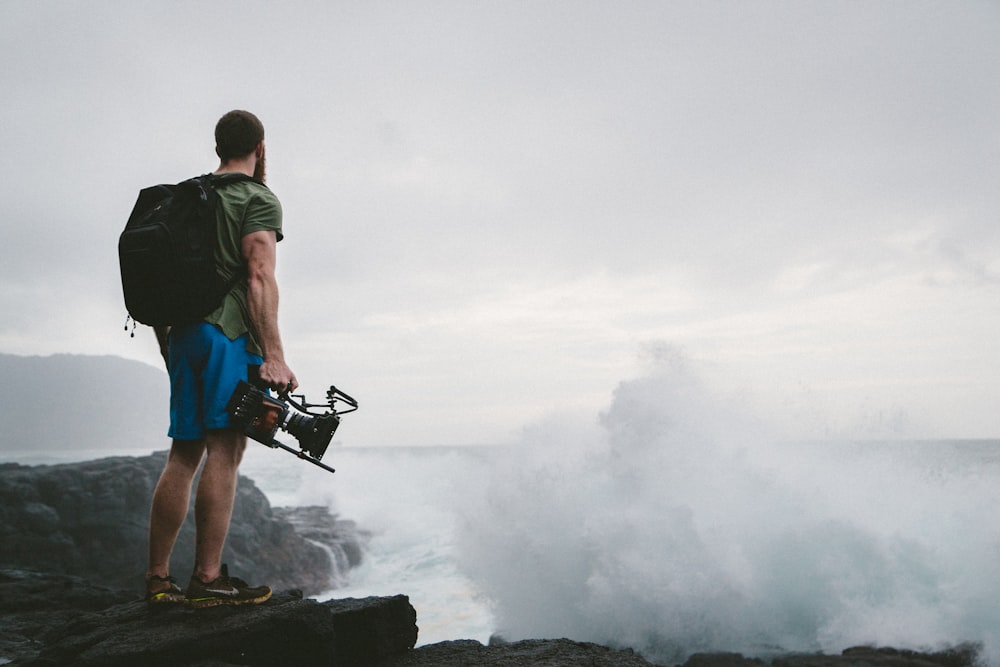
<point x="498" y="204"/>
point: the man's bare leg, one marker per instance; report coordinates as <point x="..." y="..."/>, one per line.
<point x="170" y="503"/>
<point x="214" y="501"/>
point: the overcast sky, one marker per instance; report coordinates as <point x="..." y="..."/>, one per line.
<point x="495" y="210"/>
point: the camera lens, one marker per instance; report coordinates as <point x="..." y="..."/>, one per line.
<point x="299" y="425"/>
<point x="313" y="432"/>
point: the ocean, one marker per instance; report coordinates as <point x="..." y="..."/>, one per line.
<point x="403" y="497"/>
<point x="818" y="547"/>
<point x="671" y="523"/>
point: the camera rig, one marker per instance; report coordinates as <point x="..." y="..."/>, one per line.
<point x="260" y="415"/>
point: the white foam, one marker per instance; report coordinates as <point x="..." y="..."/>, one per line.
<point x="678" y="524"/>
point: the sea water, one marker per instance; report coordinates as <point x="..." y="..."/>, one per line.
<point x="672" y="522"/>
<point x="404" y="500"/>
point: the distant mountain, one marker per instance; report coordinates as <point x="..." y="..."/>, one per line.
<point x="67" y="401"/>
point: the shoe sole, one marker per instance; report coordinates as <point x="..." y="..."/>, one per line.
<point x="204" y="603"/>
<point x="164" y="600"/>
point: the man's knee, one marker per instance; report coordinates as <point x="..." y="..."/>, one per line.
<point x="226" y="444"/>
<point x="185" y="456"/>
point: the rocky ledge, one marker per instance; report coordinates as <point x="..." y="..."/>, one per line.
<point x="57" y="620"/>
<point x="51" y="619"/>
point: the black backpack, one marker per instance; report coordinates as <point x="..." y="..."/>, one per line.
<point x="167" y="252"/>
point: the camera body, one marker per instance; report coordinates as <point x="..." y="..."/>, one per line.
<point x="261" y="416"/>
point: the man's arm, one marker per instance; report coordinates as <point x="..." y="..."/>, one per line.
<point x="258" y="249"/>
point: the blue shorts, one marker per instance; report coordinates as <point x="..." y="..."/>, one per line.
<point x="205" y="367"/>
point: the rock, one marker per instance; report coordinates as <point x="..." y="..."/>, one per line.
<point x="721" y="660"/>
<point x="341" y="538"/>
<point x="91" y="519"/>
<point x="566" y="653"/>
<point x="963" y="655"/>
<point x="534" y="652"/>
<point x="32" y="603"/>
<point x="59" y="620"/>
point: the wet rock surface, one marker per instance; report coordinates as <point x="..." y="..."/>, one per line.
<point x="566" y="653"/>
<point x="64" y="628"/>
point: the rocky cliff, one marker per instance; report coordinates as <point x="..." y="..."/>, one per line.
<point x="91" y="519"/>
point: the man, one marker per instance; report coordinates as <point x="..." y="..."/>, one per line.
<point x="206" y="360"/>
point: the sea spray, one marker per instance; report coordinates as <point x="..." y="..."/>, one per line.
<point x="676" y="523"/>
<point x="405" y="500"/>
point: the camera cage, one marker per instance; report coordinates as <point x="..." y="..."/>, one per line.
<point x="332" y="396"/>
<point x="261" y="415"/>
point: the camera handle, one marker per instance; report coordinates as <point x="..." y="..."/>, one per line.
<point x="275" y="444"/>
<point x="332" y="395"/>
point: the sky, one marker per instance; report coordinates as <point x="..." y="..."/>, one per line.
<point x="498" y="211"/>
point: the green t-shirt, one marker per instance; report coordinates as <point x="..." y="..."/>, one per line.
<point x="244" y="207"/>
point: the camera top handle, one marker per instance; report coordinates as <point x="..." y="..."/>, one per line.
<point x="332" y="396"/>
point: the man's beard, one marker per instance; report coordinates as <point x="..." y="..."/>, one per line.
<point x="260" y="171"/>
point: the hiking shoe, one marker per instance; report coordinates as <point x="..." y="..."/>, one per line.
<point x="162" y="590"/>
<point x="224" y="590"/>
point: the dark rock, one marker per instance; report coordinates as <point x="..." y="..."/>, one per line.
<point x="373" y="629"/>
<point x="540" y="652"/>
<point x="91" y="519"/>
<point x="721" y="660"/>
<point x="341" y="538"/>
<point x="284" y="630"/>
<point x="963" y="655"/>
<point x="32" y="603"/>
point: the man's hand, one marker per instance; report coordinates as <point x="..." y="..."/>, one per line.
<point x="278" y="376"/>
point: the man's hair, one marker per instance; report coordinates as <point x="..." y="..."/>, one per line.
<point x="237" y="134"/>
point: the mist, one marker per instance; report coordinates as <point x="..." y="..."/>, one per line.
<point x="679" y="522"/>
